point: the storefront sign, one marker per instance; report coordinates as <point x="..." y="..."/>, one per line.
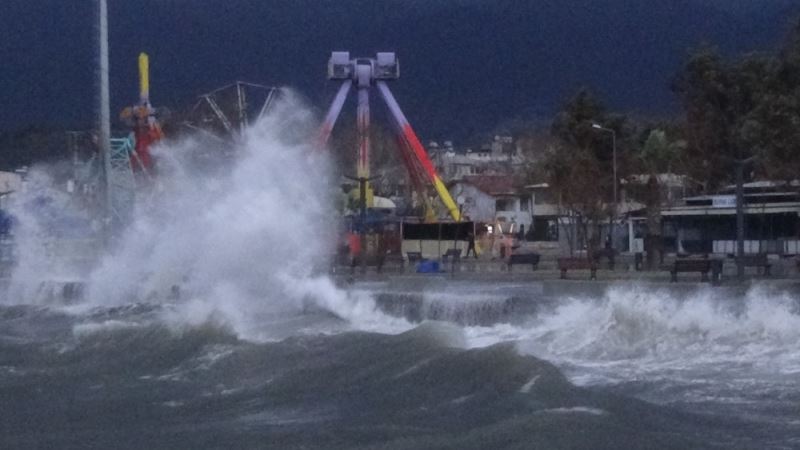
<point x="723" y="201"/>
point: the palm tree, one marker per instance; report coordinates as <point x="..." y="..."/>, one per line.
<point x="657" y="156"/>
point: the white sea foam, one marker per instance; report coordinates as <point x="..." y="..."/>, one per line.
<point x="85" y="329"/>
<point x="718" y="345"/>
<point x="576" y="410"/>
<point x="526" y="388"/>
<point x="45" y="219"/>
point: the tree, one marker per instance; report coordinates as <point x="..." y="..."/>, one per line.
<point x="579" y="168"/>
<point x="749" y="107"/>
<point x="773" y="124"/>
<point x="706" y="90"/>
<point x="742" y="112"/>
<point x="656" y="156"/>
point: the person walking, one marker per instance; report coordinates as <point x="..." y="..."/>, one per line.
<point x="471" y="244"/>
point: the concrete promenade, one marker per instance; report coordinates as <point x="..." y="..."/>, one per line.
<point x="547" y="280"/>
<point x="482" y="294"/>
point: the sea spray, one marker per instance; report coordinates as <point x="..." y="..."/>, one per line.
<point x="243" y="242"/>
<point x="50" y="230"/>
<point x="637" y="332"/>
<point x="233" y="239"/>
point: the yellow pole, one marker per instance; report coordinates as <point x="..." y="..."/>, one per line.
<point x="144" y="77"/>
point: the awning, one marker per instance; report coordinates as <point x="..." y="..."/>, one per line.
<point x="778" y="208"/>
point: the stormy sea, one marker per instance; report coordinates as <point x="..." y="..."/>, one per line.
<point x="211" y="323"/>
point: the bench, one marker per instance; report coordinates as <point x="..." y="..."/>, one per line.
<point x="704" y="266"/>
<point x="523" y="258"/>
<point x="413" y="258"/>
<point x="759" y="260"/>
<point x="454" y="253"/>
<point x="565" y="264"/>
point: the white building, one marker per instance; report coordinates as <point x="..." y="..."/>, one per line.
<point x="500" y="157"/>
<point x="494" y="200"/>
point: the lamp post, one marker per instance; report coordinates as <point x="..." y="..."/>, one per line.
<point x="614" y="169"/>
<point x="614" y="155"/>
<point x="740" y="163"/>
<point x="460" y="200"/>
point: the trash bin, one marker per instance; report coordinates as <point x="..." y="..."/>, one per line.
<point x="428" y="266"/>
<point x="638" y="261"/>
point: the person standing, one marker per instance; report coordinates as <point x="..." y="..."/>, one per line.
<point x="354" y="241"/>
<point x="471" y="244"/>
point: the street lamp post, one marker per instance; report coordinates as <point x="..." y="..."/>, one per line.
<point x="614" y="169"/>
<point x="614" y="155"/>
<point x="740" y="164"/>
<point x="460" y="201"/>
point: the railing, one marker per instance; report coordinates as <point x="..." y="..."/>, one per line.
<point x="771" y="246"/>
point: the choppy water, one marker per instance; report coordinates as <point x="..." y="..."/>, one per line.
<point x="724" y="355"/>
<point x="262" y="352"/>
<point x="630" y="369"/>
<point x="124" y="378"/>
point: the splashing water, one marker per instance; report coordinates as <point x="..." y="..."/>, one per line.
<point x="244" y="239"/>
<point x="47" y="220"/>
<point x="702" y="347"/>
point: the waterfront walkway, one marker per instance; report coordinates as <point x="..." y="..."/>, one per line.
<point x="784" y="271"/>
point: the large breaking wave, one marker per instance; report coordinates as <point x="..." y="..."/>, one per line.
<point x="245" y="240"/>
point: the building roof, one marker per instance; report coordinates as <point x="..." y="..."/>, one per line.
<point x="692" y="210"/>
<point x="763" y="185"/>
<point x="537" y="186"/>
<point x="494" y="185"/>
<point x="767" y="208"/>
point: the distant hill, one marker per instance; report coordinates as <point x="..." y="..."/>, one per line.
<point x="467" y="65"/>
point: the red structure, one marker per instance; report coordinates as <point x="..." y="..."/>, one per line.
<point x="142" y="119"/>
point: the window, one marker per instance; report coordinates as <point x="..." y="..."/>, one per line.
<point x="503" y="204"/>
<point x="543" y="197"/>
<point x="525" y="204"/>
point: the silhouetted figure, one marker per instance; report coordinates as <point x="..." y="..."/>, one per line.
<point x="471" y="244"/>
<point x="609" y="252"/>
<point x="354" y="241"/>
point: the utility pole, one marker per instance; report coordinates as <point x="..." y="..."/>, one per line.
<point x="740" y="163"/>
<point x="613" y="215"/>
<point x="460" y="201"/>
<point x="104" y="120"/>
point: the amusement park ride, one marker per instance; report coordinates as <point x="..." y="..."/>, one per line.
<point x="130" y="163"/>
<point x="222" y="114"/>
<point x="226" y="112"/>
<point x="142" y="120"/>
<point x="365" y="74"/>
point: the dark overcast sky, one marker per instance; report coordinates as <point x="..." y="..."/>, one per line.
<point x="467" y="64"/>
